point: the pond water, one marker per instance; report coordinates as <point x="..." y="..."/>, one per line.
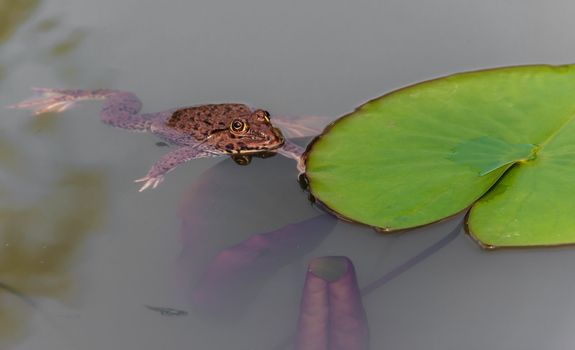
<point x="88" y="262"/>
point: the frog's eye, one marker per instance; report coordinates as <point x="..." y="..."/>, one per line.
<point x="238" y="126"/>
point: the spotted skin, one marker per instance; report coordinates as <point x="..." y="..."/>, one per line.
<point x="201" y="121"/>
<point x="200" y="131"/>
<point x="211" y="123"/>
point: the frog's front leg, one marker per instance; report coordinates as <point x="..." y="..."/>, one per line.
<point x="170" y="161"/>
<point x="295" y="152"/>
<point x="120" y="107"/>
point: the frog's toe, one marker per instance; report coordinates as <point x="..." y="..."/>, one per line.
<point x="150" y="181"/>
<point x="43" y="105"/>
<point x="49" y="101"/>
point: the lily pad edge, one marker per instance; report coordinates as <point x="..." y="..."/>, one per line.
<point x="467" y="210"/>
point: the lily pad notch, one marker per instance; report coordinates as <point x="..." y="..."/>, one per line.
<point x="499" y="142"/>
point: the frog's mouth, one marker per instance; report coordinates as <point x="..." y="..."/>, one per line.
<point x="263" y="142"/>
<point x="254" y="142"/>
<point x="277" y="141"/>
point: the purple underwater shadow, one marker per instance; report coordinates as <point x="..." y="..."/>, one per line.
<point x="215" y="202"/>
<point x="215" y="215"/>
<point x="332" y="316"/>
<point x="234" y="277"/>
<point x="222" y="278"/>
<point x="310" y="336"/>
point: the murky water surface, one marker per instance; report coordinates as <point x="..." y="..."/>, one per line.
<point x="216" y="257"/>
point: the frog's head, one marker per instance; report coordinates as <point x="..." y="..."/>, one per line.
<point x="246" y="134"/>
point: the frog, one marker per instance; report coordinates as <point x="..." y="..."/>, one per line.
<point x="198" y="131"/>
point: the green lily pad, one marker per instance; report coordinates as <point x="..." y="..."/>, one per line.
<point x="499" y="140"/>
<point x="486" y="154"/>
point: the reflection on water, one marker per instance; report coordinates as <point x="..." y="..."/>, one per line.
<point x="47" y="25"/>
<point x="41" y="234"/>
<point x="12" y="14"/>
<point x="68" y="44"/>
<point x="44" y="39"/>
<point x="12" y="318"/>
<point x="38" y="243"/>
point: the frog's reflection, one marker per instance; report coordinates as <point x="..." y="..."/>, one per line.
<point x="38" y="244"/>
<point x="246" y="159"/>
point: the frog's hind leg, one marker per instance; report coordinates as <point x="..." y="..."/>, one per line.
<point x="120" y="108"/>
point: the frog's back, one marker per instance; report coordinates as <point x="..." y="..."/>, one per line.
<point x="201" y="121"/>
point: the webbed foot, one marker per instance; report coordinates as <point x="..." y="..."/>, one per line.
<point x="53" y="100"/>
<point x="150" y="181"/>
<point x="170" y="161"/>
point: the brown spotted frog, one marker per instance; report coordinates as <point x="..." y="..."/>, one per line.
<point x="201" y="131"/>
